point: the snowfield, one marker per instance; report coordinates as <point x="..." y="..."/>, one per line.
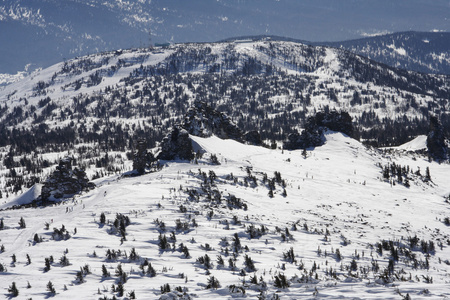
<point x="323" y="236"/>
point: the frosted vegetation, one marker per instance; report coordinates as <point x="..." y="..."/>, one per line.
<point x="266" y="224"/>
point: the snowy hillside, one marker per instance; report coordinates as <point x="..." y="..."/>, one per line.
<point x="419" y="143"/>
<point x="39" y="33"/>
<point x="333" y="228"/>
<point x="95" y="107"/>
<point x="426" y="52"/>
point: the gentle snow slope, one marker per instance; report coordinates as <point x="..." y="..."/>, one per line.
<point x="336" y="200"/>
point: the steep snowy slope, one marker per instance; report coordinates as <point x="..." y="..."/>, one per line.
<point x="334" y="228"/>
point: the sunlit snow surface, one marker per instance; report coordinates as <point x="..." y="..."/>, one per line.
<point x="418" y="143"/>
<point x="338" y="187"/>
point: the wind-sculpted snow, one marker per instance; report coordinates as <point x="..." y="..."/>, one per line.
<point x="264" y="224"/>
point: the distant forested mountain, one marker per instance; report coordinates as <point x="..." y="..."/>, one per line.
<point x="101" y="104"/>
<point x="38" y="33"/>
<point x="427" y="52"/>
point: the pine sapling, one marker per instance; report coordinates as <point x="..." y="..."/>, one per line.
<point x="13" y="290"/>
<point x="51" y="288"/>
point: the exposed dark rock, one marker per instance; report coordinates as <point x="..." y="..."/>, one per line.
<point x="176" y="145"/>
<point x="336" y="121"/>
<point x="307" y="139"/>
<point x="253" y="138"/>
<point x="142" y="159"/>
<point x="312" y="135"/>
<point x="203" y="121"/>
<point x="436" y="144"/>
<point x="65" y="182"/>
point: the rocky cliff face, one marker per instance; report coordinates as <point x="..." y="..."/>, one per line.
<point x="203" y="121"/>
<point x="176" y="145"/>
<point x="312" y="135"/>
<point x="65" y="182"/>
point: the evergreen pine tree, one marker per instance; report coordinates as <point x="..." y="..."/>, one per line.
<point x="304" y="153"/>
<point x="436" y="144"/>
<point x="142" y="159"/>
<point x="36" y="238"/>
<point x="105" y="272"/>
<point x="132" y="295"/>
<point x="47" y="265"/>
<point x="151" y="271"/>
<point x="406" y="183"/>
<point x="427" y="174"/>
<point x="102" y="218"/>
<point x="64" y="261"/>
<point x="249" y="264"/>
<point x="51" y="287"/>
<point x="13" y="290"/>
<point x="22" y="223"/>
<point x="213" y="283"/>
<point x="120" y="289"/>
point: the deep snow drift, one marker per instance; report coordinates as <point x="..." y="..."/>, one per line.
<point x="353" y="234"/>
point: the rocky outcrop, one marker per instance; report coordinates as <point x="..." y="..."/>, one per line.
<point x="336" y="121"/>
<point x="65" y="182"/>
<point x="142" y="159"/>
<point x="436" y="142"/>
<point x="203" y="121"/>
<point x="313" y="134"/>
<point x="176" y="145"/>
<point x="253" y="138"/>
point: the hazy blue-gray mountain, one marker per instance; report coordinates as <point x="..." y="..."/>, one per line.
<point x="427" y="52"/>
<point x="42" y="32"/>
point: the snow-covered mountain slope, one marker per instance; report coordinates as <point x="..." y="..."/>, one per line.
<point x="96" y="107"/>
<point x="419" y="143"/>
<point x="329" y="78"/>
<point x="426" y="52"/>
<point x="334" y="228"/>
<point x="44" y="32"/>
